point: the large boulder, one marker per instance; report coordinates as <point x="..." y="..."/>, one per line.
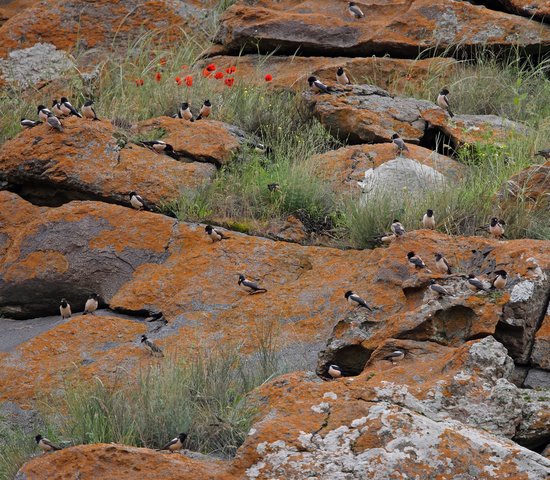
<point x="404" y="29"/>
<point x="539" y="10"/>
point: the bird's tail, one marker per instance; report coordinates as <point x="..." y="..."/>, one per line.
<point x="199" y="117"/>
<point x="451" y="114"/>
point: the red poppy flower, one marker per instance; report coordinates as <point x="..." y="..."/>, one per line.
<point x="183" y="67"/>
<point x="230" y="70"/>
<point x="218" y="75"/>
<point x="158" y="76"/>
<point x="139" y="82"/>
<point x="229" y="81"/>
<point x="189" y="80"/>
<point x="211" y="67"/>
<point x="268" y="78"/>
<point x="206" y="73"/>
<point x="178" y="80"/>
<point x="162" y="61"/>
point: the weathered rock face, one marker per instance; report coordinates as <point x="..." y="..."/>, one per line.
<point x="532" y="184"/>
<point x="539" y="10"/>
<point x="540" y="356"/>
<point x="325" y="27"/>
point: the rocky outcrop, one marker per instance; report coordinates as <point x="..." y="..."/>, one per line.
<point x="531" y="184"/>
<point x="539" y="10"/>
<point x="402" y="29"/>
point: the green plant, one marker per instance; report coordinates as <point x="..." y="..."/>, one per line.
<point x="16" y="447"/>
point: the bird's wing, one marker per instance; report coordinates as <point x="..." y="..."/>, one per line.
<point x="152" y="346"/>
<point x="417" y="262"/>
<point x="252" y="285"/>
<point x="221" y="234"/>
<point x="50" y="444"/>
<point x="447" y="264"/>
<point x="170" y="443"/>
<point x="361" y="302"/>
<point x="440" y="289"/>
<point x="476" y="283"/>
<point x="356" y="10"/>
<point x="321" y="86"/>
<point x="393" y="355"/>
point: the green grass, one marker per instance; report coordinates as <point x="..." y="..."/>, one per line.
<point x="15" y="449"/>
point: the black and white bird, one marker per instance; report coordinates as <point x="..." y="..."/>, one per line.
<point x="397" y="228"/>
<point x="251" y="286"/>
<point x="88" y="110"/>
<point x="442" y="264"/>
<point x="499" y="281"/>
<point x="26" y="123"/>
<point x="151" y="347"/>
<point x="206" y="110"/>
<point x="136" y="201"/>
<point x="91" y="304"/>
<point x="386" y="238"/>
<point x="67" y="109"/>
<point x="443" y="101"/>
<point x="428" y="220"/>
<point x="274" y="187"/>
<point x="354" y="11"/>
<point x="438" y="289"/>
<point x="175" y="444"/>
<point x="395" y="356"/>
<point x="215" y="235"/>
<point x="317" y="86"/>
<point x="475" y="284"/>
<point x="185" y="112"/>
<point x="352" y="297"/>
<point x="544" y="153"/>
<point x="159" y="146"/>
<point x="54" y="122"/>
<point x="341" y="76"/>
<point x="45" y="445"/>
<point x="56" y="108"/>
<point x="399" y="143"/>
<point x="334" y="371"/>
<point x="43" y="113"/>
<point x="65" y="309"/>
<point x="496" y="227"/>
<point x="416" y="261"/>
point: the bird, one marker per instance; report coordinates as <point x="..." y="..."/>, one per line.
<point x="185" y="112"/>
<point x="354" y="10"/>
<point x="341" y="76"/>
<point x="386" y="238"/>
<point x="26" y="123"/>
<point x="175" y="443"/>
<point x="45" y="445"/>
<point x="496" y="227"/>
<point x="67" y="109"/>
<point x="544" y="153"/>
<point x="443" y="101"/>
<point x="253" y="288"/>
<point x="334" y="371"/>
<point x="397" y="228"/>
<point x="500" y="280"/>
<point x="399" y="143"/>
<point x="215" y="235"/>
<point x="136" y="201"/>
<point x="151" y="347"/>
<point x="395" y="356"/>
<point x="416" y="261"/>
<point x="205" y="111"/>
<point x="88" y="110"/>
<point x="435" y="287"/>
<point x="442" y="264"/>
<point x="353" y="297"/>
<point x="317" y="85"/>
<point x="54" y="122"/>
<point x="274" y="187"/>
<point x="159" y="146"/>
<point x="43" y="113"/>
<point x="475" y="284"/>
<point x="428" y="220"/>
<point x="56" y="108"/>
<point x="91" y="304"/>
<point x="65" y="309"/>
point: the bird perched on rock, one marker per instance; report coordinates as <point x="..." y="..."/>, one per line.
<point x="385" y="238"/>
<point x="475" y="284"/>
<point x="43" y="113"/>
<point x="397" y="228"/>
<point x="54" y="122"/>
<point x="496" y="227"/>
<point x="341" y="76"/>
<point x="65" y="309"/>
<point x="399" y="143"/>
<point x="26" y="123"/>
<point x="88" y="110"/>
<point x="151" y="347"/>
<point x="443" y="101"/>
<point x="416" y="261"/>
<point x="67" y="109"/>
<point x="45" y="445"/>
<point x="438" y="289"/>
<point x="500" y="280"/>
<point x="175" y="444"/>
<point x="91" y="304"/>
<point x="215" y="235"/>
<point x="136" y="201"/>
<point x="352" y="297"/>
<point x="354" y="11"/>
<point x="185" y="112"/>
<point x="442" y="264"/>
<point x="205" y="111"/>
<point x="160" y="147"/>
<point x="395" y="356"/>
<point x="544" y="153"/>
<point x="252" y="287"/>
<point x="273" y="187"/>
<point x="428" y="220"/>
<point x="334" y="371"/>
<point x="317" y="85"/>
<point x="56" y="108"/>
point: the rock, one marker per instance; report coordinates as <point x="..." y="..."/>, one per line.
<point x="84" y="162"/>
<point x="10" y="8"/>
<point x="202" y="141"/>
<point x="379" y="167"/>
<point x="540" y="355"/>
<point x="534" y="428"/>
<point x="539" y="10"/>
<point x="291" y="230"/>
<point x="537" y="379"/>
<point x="292" y="72"/>
<point x="325" y="28"/>
<point x="531" y="185"/>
